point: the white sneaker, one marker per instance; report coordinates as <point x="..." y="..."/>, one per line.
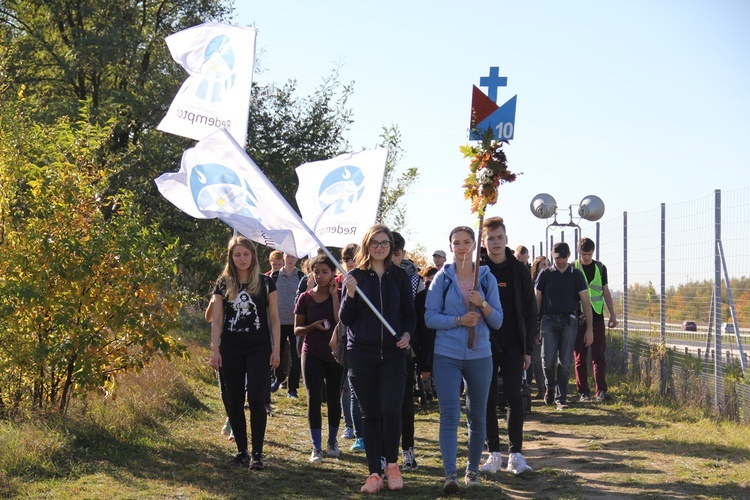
<point x="316" y="457"/>
<point x="517" y="464"/>
<point x="333" y="449"/>
<point x="494" y="462"/>
<point x="227" y="429"/>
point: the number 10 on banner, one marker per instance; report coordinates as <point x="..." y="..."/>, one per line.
<point x="504" y="131"/>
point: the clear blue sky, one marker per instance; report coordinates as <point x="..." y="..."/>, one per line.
<point x="639" y="102"/>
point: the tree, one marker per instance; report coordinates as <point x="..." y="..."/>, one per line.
<point x="391" y="211"/>
<point x="286" y="131"/>
<point x="110" y="53"/>
<point x="82" y="296"/>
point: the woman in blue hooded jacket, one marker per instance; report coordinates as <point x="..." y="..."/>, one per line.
<point x="453" y="307"/>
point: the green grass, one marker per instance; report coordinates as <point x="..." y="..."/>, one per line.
<point x="158" y="437"/>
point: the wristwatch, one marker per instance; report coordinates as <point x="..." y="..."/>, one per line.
<point x="484" y="304"/>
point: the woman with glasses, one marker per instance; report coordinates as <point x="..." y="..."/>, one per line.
<point x="377" y="359"/>
<point x="453" y="309"/>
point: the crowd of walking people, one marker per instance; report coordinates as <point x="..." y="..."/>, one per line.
<point x="454" y="330"/>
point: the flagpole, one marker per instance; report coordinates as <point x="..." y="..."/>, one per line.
<point x="361" y="293"/>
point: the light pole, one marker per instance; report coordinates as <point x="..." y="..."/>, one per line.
<point x="544" y="206"/>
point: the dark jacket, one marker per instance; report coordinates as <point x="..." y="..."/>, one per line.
<point x="367" y="337"/>
<point x="423" y="342"/>
<point x="525" y="299"/>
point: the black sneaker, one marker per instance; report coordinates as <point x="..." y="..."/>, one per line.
<point x="241" y="460"/>
<point x="256" y="463"/>
<point x="275" y="384"/>
<point x="410" y="463"/>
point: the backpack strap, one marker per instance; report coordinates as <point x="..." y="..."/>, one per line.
<point x="447" y="280"/>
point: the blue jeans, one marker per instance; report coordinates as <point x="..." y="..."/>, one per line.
<point x="448" y="373"/>
<point x="558" y="338"/>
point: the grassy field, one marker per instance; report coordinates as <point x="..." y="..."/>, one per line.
<point x="159" y="438"/>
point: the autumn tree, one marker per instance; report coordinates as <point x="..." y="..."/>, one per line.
<point x="83" y="295"/>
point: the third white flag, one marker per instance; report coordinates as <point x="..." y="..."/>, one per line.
<point x="339" y="198"/>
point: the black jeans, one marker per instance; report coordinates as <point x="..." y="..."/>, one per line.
<point x="379" y="387"/>
<point x="510" y="365"/>
<point x="238" y="365"/>
<point x="317" y="372"/>
<point x="407" y="408"/>
<point x="289" y="341"/>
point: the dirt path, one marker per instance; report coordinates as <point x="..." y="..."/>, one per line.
<point x="596" y="451"/>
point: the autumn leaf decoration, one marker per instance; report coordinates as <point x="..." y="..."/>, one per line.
<point x="488" y="169"/>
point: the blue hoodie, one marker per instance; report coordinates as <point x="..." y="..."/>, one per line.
<point x="451" y="340"/>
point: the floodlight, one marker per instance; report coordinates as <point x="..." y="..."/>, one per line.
<point x="591" y="208"/>
<point x="543" y="206"/>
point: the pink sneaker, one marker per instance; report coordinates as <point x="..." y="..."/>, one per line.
<point x="395" y="481"/>
<point x="373" y="484"/>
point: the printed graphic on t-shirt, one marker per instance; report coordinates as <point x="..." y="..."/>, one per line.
<point x="245" y="314"/>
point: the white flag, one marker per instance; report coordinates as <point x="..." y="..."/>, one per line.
<point x="219" y="59"/>
<point x="339" y="198"/>
<point x="217" y="179"/>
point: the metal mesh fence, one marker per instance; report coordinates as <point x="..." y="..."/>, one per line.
<point x="666" y="260"/>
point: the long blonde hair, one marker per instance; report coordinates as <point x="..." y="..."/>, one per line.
<point x="362" y="256"/>
<point x="231" y="275"/>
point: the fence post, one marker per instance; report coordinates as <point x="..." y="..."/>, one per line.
<point x="718" y="369"/>
<point x="626" y="356"/>
<point x="663" y="303"/>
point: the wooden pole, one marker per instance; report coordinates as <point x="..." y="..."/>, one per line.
<point x="476" y="274"/>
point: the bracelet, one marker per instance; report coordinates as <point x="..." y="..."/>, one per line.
<point x="458" y="320"/>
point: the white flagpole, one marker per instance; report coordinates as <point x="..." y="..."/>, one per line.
<point x="344" y="272"/>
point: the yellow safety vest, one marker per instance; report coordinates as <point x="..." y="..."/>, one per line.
<point x="596" y="289"/>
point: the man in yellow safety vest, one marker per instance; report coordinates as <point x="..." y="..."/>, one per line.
<point x="596" y="277"/>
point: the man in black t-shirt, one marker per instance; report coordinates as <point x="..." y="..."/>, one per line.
<point x="558" y="291"/>
<point x="596" y="277"/>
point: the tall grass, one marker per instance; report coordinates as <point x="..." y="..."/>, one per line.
<point x="141" y="406"/>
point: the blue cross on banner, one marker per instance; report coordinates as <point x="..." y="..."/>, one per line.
<point x="485" y="113"/>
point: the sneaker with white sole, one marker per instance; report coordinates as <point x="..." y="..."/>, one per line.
<point x="451" y="485"/>
<point x="333" y="449"/>
<point x="359" y="445"/>
<point x="316" y="457"/>
<point x="494" y="463"/>
<point x="410" y="462"/>
<point x="348" y="433"/>
<point x="517" y="464"/>
<point x="471" y="479"/>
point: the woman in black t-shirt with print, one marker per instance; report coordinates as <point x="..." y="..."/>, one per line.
<point x="245" y="333"/>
